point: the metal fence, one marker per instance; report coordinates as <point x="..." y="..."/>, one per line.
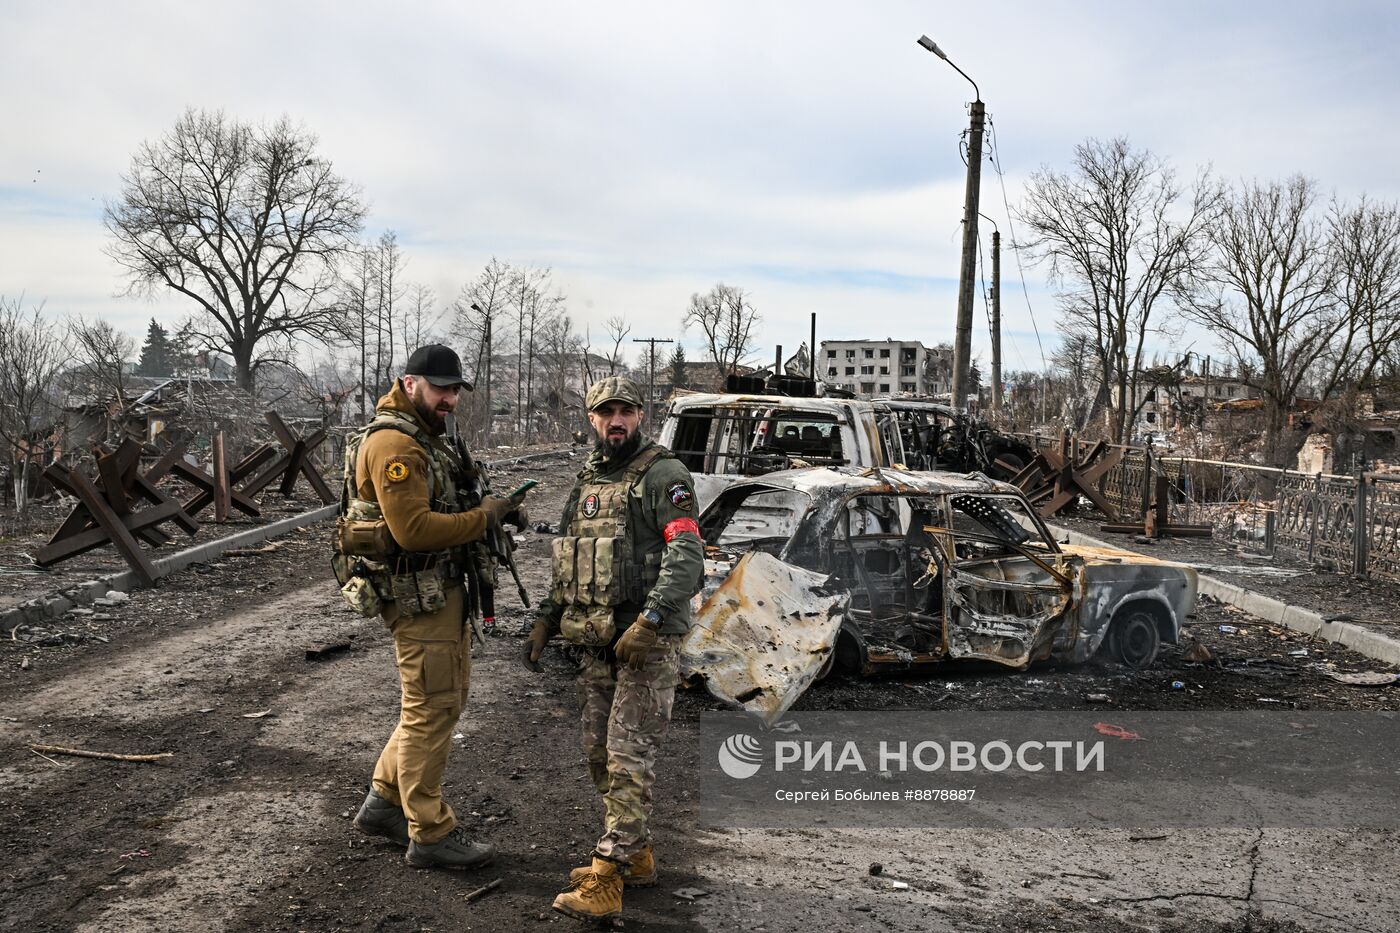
<point x="1349" y="524"/>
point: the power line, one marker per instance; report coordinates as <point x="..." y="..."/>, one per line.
<point x="651" y="365"/>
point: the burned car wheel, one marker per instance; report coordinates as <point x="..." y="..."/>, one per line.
<point x="1133" y="638"/>
<point x="850" y="655"/>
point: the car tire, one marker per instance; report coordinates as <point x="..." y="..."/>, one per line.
<point x="850" y="654"/>
<point x="1133" y="637"/>
<point x="827" y="667"/>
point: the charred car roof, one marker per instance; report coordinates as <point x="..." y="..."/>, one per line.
<point x="858" y="480"/>
<point x="815" y="402"/>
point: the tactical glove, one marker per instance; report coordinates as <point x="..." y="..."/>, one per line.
<point x="518" y="516"/>
<point x="497" y="508"/>
<point x="534" y="644"/>
<point x="636" y="643"/>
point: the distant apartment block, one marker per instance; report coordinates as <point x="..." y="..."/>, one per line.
<point x="885" y="367"/>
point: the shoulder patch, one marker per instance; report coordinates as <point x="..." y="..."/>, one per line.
<point x="681" y="496"/>
<point x="396" y="470"/>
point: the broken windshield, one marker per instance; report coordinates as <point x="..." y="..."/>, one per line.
<point x="752" y="440"/>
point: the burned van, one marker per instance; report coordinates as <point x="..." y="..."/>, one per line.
<point x="723" y="438"/>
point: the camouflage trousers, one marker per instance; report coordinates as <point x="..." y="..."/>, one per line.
<point x="625" y="714"/>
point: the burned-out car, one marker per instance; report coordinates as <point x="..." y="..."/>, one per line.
<point x="864" y="569"/>
<point x="938" y="437"/>
<point x="722" y="438"/>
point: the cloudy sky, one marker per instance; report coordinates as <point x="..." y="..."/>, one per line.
<point x="807" y="152"/>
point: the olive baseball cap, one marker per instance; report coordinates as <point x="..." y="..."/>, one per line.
<point x="437" y="364"/>
<point x="614" y="389"/>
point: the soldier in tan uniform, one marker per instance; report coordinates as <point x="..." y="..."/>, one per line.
<point x="626" y="563"/>
<point x="414" y="514"/>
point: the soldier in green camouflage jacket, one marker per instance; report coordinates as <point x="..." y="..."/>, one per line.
<point x="627" y="561"/>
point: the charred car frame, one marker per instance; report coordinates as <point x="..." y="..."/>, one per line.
<point x="864" y="569"/>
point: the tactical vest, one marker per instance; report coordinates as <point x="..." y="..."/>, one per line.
<point x="412" y="579"/>
<point x="596" y="567"/>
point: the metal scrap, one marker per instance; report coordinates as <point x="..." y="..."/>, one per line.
<point x="763" y="636"/>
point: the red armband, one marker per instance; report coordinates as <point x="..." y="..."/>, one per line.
<point x="679" y="527"/>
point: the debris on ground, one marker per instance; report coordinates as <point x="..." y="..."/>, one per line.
<point x="482" y="891"/>
<point x="327" y="649"/>
<point x="1365" y="678"/>
<point x="104" y="756"/>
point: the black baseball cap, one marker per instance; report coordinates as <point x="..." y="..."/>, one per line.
<point x="437" y="364"/>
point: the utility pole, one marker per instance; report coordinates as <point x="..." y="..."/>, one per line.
<point x="996" y="322"/>
<point x="651" y="343"/>
<point x="486" y="341"/>
<point x="962" y="345"/>
<point x="967" y="276"/>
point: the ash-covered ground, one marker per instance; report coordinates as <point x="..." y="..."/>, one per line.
<point x="247" y="827"/>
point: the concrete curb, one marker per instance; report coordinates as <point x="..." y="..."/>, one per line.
<point x="526" y="458"/>
<point x="51" y="607"/>
<point x="1384" y="648"/>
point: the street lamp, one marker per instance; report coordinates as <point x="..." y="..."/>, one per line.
<point x="932" y="46"/>
<point x="962" y="346"/>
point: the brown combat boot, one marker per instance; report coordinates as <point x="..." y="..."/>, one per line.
<point x="597" y="895"/>
<point x="639" y="872"/>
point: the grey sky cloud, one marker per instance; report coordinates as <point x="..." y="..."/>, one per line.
<point x="806" y="151"/>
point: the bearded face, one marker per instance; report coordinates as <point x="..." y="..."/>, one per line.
<point x="434" y="404"/>
<point x="618" y="426"/>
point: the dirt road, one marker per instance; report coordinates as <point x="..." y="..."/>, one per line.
<point x="247" y="827"/>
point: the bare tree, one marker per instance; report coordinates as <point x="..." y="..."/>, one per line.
<point x="479" y="312"/>
<point x="1078" y="394"/>
<point x="32" y="356"/>
<point x="618" y="329"/>
<point x="1269" y="292"/>
<point x="727" y="318"/>
<point x="544" y="307"/>
<point x="247" y="222"/>
<point x="355" y="289"/>
<point x="388" y="267"/>
<point x="528" y="293"/>
<point x="1364" y="251"/>
<point x="561" y="352"/>
<point x="101" y="354"/>
<point x="420" y="319"/>
<point x="1118" y="233"/>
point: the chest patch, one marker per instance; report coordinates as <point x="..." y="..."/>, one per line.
<point x="681" y="496"/>
<point x="396" y="471"/>
<point x="590" y="505"/>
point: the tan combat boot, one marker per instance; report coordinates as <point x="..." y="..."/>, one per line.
<point x="640" y="871"/>
<point x="597" y="895"/>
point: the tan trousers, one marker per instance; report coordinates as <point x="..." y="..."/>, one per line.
<point x="434" y="658"/>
